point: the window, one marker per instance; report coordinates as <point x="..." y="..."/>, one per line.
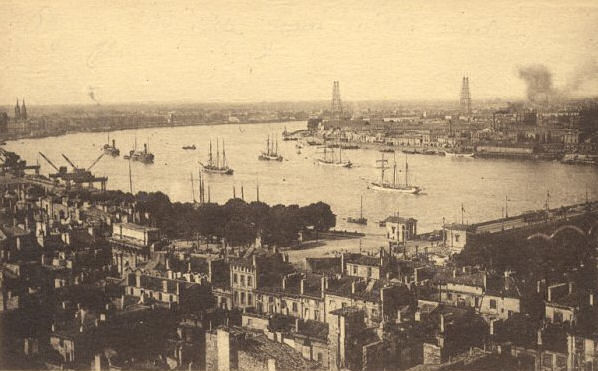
<point x="558" y="317"/>
<point x="249" y="281"/>
<point x="449" y="296"/>
<point x="249" y="299"/>
<point x="457" y="238"/>
<point x="294" y="307"/>
<point x="249" y="322"/>
<point x="492" y="304"/>
<point x="242" y="280"/>
<point x="236" y="297"/>
<point x="242" y="298"/>
<point x="369" y="271"/>
<point x="320" y="357"/>
<point x="317" y="315"/>
<point x="235" y="278"/>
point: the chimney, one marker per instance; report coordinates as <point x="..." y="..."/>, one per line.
<point x="210" y="270"/>
<point x="296" y="324"/>
<point x="167" y="264"/>
<point x="189" y="266"/>
<point x="53" y="327"/>
<point x="323" y="286"/>
<point x="485" y="278"/>
<point x="178" y="288"/>
<point x="122" y="302"/>
<point x="342" y="263"/>
<point x="284" y="282"/>
<point x="83" y="315"/>
<point x="301" y="285"/>
<point x="571" y="287"/>
<point x="43" y="259"/>
<point x="353" y="287"/>
<point x="254" y="260"/>
<point x="441" y="322"/>
<point x="80" y="328"/>
<point x="492" y="326"/>
<point x="591" y="299"/>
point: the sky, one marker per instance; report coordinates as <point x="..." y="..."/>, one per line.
<point x="75" y="52"/>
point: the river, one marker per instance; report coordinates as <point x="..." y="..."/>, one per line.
<point x="481" y="185"/>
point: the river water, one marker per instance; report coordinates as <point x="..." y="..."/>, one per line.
<point x="481" y="185"/>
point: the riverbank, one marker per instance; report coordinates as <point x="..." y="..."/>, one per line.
<point x="21" y="136"/>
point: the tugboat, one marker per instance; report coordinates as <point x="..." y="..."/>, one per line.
<point x="361" y="220"/>
<point x="382" y="185"/>
<point x="191" y="147"/>
<point x="111" y="149"/>
<point x="271" y="153"/>
<point x="217" y="167"/>
<point x="459" y="153"/>
<point x="144" y="156"/>
<point x="325" y="160"/>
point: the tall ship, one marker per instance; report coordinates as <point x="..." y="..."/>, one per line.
<point x="361" y="220"/>
<point x="271" y="153"/>
<point x="394" y="186"/>
<point x="110" y="149"/>
<point x="328" y="158"/>
<point x="219" y="165"/>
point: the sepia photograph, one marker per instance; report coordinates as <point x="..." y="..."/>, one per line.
<point x="277" y="185"/>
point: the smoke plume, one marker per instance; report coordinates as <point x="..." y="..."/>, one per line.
<point x="540" y="88"/>
<point x="92" y="95"/>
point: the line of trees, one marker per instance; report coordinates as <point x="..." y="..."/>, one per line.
<point x="237" y="221"/>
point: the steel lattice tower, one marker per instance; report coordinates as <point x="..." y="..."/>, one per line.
<point x="337" y="107"/>
<point x="465" y="97"/>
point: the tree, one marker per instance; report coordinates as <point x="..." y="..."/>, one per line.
<point x="238" y="233"/>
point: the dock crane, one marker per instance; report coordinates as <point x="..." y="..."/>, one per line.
<point x="78" y="176"/>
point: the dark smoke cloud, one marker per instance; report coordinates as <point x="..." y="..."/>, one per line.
<point x="538" y="79"/>
<point x="540" y="88"/>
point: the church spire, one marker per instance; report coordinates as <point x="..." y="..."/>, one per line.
<point x="23" y="110"/>
<point x="17" y="111"/>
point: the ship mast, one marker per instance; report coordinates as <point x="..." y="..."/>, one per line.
<point x="406" y="172"/>
<point x="361" y="208"/>
<point x="217" y="152"/>
<point x="210" y="159"/>
<point x="223" y="155"/>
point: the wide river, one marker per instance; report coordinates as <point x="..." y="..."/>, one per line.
<point x="481" y="185"/>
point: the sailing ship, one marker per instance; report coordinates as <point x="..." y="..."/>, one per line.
<point x="394" y="186"/>
<point x="219" y="166"/>
<point x="331" y="161"/>
<point x="271" y="153"/>
<point x="110" y="149"/>
<point x="361" y="219"/>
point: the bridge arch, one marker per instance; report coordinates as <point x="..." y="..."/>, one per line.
<point x="568" y="227"/>
<point x="539" y="235"/>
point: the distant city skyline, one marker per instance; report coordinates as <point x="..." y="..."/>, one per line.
<point x="76" y="53"/>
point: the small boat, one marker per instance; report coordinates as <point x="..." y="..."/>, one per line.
<point x="144" y="156"/>
<point x="459" y="154"/>
<point x="191" y="147"/>
<point x="349" y="146"/>
<point x="386" y="150"/>
<point x="361" y="220"/>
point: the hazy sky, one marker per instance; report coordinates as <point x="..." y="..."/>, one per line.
<point x="129" y="51"/>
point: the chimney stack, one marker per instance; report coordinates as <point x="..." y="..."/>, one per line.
<point x="323" y="284"/>
<point x="296" y="324"/>
<point x="302" y="285"/>
<point x="353" y="287"/>
<point x="571" y="287"/>
<point x="442" y="323"/>
<point x="284" y="282"/>
<point x="591" y="299"/>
